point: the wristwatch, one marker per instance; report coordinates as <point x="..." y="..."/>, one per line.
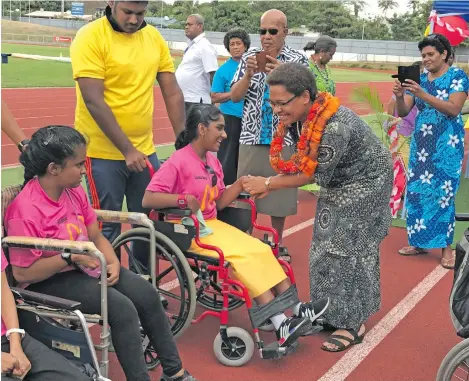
<point x="67" y="257"/>
<point x="267" y="183"/>
<point x="15" y="330"/>
<point x="182" y="201"/>
<point x="22" y="143"/>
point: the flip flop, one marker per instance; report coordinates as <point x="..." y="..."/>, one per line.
<point x="448" y="263"/>
<point x="334" y="339"/>
<point x="412" y="250"/>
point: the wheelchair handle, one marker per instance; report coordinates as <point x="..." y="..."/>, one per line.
<point x="150" y="167"/>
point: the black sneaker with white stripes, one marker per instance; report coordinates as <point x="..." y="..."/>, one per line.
<point x="312" y="311"/>
<point x="290" y="330"/>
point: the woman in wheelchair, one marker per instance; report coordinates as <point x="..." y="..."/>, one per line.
<point x="22" y="355"/>
<point x="52" y="204"/>
<point x="193" y="178"/>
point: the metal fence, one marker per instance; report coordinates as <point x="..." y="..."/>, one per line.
<point x="32" y="39"/>
<point x="347" y="49"/>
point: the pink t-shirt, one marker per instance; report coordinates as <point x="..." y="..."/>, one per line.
<point x="4" y="266"/>
<point x="33" y="214"/>
<point x="185" y="173"/>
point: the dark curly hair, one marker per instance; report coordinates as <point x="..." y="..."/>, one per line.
<point x="237" y="33"/>
<point x="439" y="42"/>
<point x="295" y="77"/>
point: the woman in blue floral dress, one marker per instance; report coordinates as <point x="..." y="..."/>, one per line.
<point x="437" y="149"/>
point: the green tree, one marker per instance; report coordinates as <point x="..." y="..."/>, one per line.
<point x="358" y="6"/>
<point x="331" y="18"/>
<point x="413" y="4"/>
<point x="386" y="5"/>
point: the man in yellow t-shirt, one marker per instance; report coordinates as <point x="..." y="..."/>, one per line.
<point x="115" y="62"/>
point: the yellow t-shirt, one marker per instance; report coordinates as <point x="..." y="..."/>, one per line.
<point x="128" y="65"/>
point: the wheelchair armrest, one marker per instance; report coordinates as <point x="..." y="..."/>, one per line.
<point x="174" y="211"/>
<point x="45" y="300"/>
<point x="48" y="244"/>
<point x="462" y="217"/>
<point x="122" y="217"/>
<point x="244" y="196"/>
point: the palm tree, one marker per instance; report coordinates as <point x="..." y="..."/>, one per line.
<point x="414" y="4"/>
<point x="386" y="5"/>
<point x="358" y="5"/>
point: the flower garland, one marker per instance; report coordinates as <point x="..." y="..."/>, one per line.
<point x="305" y="158"/>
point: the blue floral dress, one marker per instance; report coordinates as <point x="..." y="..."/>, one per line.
<point x="436" y="156"/>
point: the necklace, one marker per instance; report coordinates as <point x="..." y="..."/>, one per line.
<point x="312" y="130"/>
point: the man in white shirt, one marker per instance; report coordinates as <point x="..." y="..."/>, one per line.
<point x="199" y="64"/>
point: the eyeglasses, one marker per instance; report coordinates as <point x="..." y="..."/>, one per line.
<point x="280" y="104"/>
<point x="210" y="170"/>
<point x="272" y="31"/>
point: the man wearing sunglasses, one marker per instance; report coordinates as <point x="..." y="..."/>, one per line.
<point x="259" y="122"/>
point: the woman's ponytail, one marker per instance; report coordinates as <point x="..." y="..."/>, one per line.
<point x="182" y="140"/>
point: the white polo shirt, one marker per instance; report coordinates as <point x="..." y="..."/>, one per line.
<point x="192" y="74"/>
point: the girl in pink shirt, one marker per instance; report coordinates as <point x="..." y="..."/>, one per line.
<point x="194" y="176"/>
<point x="53" y="204"/>
<point x="24" y="356"/>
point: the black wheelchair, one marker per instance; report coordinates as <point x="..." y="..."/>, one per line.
<point x="455" y="365"/>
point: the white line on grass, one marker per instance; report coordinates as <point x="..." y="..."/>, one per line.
<point x="355" y="355"/>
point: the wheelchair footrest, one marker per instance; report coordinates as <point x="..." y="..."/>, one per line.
<point x="312" y="330"/>
<point x="272" y="351"/>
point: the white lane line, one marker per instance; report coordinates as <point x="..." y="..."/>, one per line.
<point x="355" y="355"/>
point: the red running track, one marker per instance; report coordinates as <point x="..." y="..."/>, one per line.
<point x="34" y="108"/>
<point x="412" y="351"/>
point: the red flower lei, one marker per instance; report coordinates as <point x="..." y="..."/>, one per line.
<point x="305" y="159"/>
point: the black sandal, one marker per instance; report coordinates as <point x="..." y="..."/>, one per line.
<point x="333" y="339"/>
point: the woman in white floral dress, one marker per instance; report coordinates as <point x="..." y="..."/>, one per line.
<point x="437" y="149"/>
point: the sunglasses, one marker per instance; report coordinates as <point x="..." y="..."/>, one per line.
<point x="210" y="170"/>
<point x="272" y="32"/>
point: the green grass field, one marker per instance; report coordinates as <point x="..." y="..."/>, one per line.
<point x="30" y="73"/>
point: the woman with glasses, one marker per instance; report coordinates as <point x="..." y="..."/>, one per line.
<point x="437" y="149"/>
<point x="323" y="51"/>
<point x="338" y="151"/>
<point x="192" y="178"/>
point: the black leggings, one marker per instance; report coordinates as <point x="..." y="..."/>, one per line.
<point x="46" y="364"/>
<point x="130" y="299"/>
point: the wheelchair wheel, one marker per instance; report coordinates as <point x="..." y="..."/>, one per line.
<point x="455" y="365"/>
<point x="151" y="358"/>
<point x="243" y="345"/>
<point x="175" y="280"/>
<point x="212" y="298"/>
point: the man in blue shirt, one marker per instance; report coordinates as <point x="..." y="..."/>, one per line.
<point x="236" y="41"/>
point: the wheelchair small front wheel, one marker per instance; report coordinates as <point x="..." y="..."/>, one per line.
<point x="241" y="351"/>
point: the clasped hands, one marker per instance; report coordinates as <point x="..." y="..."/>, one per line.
<point x="255" y="186"/>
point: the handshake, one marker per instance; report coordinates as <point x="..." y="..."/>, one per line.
<point x="256" y="186"/>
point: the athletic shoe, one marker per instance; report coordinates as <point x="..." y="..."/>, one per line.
<point x="185" y="377"/>
<point x="290" y="330"/>
<point x="312" y="311"/>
